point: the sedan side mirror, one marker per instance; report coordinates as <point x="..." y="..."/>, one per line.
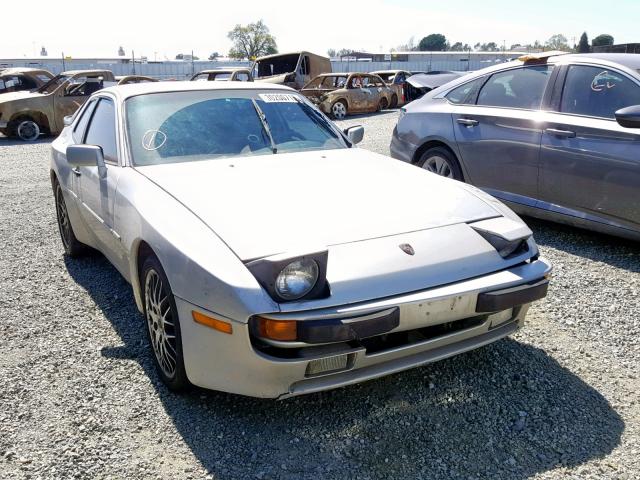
<point x="629" y="117"/>
<point x="85" y="156"/>
<point x="355" y="134"/>
<point x="68" y="120"/>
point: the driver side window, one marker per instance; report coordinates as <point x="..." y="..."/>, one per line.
<point x="83" y="86"/>
<point x="102" y="129"/>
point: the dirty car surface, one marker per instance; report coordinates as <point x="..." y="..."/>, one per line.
<point x="27" y="115"/>
<point x="127" y="79"/>
<point x="341" y="94"/>
<point x="224" y="75"/>
<point x="18" y="79"/>
<point x="291" y="69"/>
<point x="397" y="81"/>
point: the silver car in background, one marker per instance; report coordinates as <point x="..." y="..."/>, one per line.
<point x="269" y="256"/>
<point x="554" y="136"/>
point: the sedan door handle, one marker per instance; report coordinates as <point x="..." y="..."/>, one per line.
<point x="469" y="122"/>
<point x="560" y="133"/>
<point x="76" y="171"/>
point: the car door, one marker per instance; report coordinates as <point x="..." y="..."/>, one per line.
<point x="357" y="96"/>
<point x="589" y="164"/>
<point x="97" y="185"/>
<point x="498" y="132"/>
<point x="72" y="95"/>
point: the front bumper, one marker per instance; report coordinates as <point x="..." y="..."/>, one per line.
<point x="237" y="363"/>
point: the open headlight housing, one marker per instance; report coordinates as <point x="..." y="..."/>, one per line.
<point x="287" y="279"/>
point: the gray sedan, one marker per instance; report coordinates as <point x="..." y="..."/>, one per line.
<point x="261" y="251"/>
<point x="554" y="136"/>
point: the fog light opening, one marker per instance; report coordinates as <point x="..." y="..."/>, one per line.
<point x="326" y="365"/>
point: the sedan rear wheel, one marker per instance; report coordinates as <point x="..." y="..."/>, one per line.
<point x="163" y="325"/>
<point x="72" y="246"/>
<point x="394" y="101"/>
<point x="28" y="130"/>
<point x="383" y="104"/>
<point x="339" y="110"/>
<point x="440" y="161"/>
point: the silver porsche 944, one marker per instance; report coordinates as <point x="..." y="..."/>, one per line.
<point x="269" y="256"/>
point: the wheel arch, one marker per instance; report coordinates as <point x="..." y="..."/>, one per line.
<point x="432" y="143"/>
<point x="39" y="117"/>
<point x="142" y="251"/>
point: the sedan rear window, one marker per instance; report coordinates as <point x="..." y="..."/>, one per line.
<point x="188" y="126"/>
<point x="516" y="88"/>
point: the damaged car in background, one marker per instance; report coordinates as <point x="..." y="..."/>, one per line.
<point x="291" y="69"/>
<point x="421" y="83"/>
<point x="224" y="75"/>
<point x="346" y="285"/>
<point x="27" y="115"/>
<point x="397" y="81"/>
<point x="18" y="79"/>
<point x="342" y="94"/>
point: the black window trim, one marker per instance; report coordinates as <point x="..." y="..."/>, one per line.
<point x="563" y="83"/>
<point x="98" y="98"/>
<point x="483" y="78"/>
<point x="80" y="113"/>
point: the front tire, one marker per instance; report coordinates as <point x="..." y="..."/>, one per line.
<point x="441" y="161"/>
<point x="163" y="325"/>
<point x="339" y="110"/>
<point x="72" y="246"/>
<point x="27" y="130"/>
<point x="382" y="104"/>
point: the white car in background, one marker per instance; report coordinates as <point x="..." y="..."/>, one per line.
<point x="271" y="257"/>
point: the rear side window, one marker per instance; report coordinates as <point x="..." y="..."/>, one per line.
<point x="466" y="93"/>
<point x="517" y="88"/>
<point x="102" y="129"/>
<point x="597" y="92"/>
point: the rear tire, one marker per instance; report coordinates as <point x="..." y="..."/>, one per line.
<point x="441" y="161"/>
<point x="72" y="246"/>
<point x="163" y="325"/>
<point x="382" y="104"/>
<point x="394" y="101"/>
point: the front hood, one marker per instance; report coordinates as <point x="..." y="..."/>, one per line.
<point x="273" y="78"/>
<point x="21" y="95"/>
<point x="308" y="201"/>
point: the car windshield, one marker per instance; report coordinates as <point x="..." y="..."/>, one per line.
<point x="53" y="84"/>
<point x="188" y="126"/>
<point x="276" y="65"/>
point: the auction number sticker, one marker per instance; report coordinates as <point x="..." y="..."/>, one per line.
<point x="277" y="97"/>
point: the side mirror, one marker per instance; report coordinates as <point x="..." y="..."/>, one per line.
<point x="68" y="120"/>
<point x="355" y="134"/>
<point x="629" y="117"/>
<point x="85" y="156"/>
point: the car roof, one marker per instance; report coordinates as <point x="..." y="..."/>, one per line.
<point x="18" y="70"/>
<point x="378" y="72"/>
<point x="134" y="89"/>
<point x="629" y="60"/>
<point x="224" y="70"/>
<point x="76" y="72"/>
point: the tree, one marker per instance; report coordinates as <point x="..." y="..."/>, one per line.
<point x="251" y="41"/>
<point x="583" y="45"/>
<point x="436" y="42"/>
<point x="121" y="51"/>
<point x="214" y="56"/>
<point x="344" y="52"/>
<point x="457" y="47"/>
<point x="331" y="52"/>
<point x="558" y="42"/>
<point x="602" y="40"/>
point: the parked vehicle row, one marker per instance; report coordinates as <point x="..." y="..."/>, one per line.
<point x="554" y="136"/>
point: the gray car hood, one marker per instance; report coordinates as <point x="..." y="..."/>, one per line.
<point x="303" y="202"/>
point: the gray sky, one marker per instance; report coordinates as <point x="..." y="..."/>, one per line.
<point x="163" y="29"/>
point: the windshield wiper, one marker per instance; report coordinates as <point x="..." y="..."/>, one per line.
<point x="318" y="118"/>
<point x="265" y="125"/>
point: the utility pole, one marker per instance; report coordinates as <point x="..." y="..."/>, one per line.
<point x="193" y="70"/>
<point x="133" y="61"/>
<point x="64" y="68"/>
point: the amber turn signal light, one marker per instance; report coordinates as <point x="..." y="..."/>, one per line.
<point x="220" y="325"/>
<point x="283" y="330"/>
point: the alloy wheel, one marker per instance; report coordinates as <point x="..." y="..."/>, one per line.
<point x="160" y="322"/>
<point x="28" y="130"/>
<point x="438" y="165"/>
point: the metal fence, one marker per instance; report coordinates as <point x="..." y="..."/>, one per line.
<point x="183" y="70"/>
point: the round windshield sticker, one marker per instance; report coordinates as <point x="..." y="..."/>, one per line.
<point x="153" y="140"/>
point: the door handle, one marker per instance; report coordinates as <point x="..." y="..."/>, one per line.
<point x="468" y="122"/>
<point x="76" y="171"/>
<point x="560" y="133"/>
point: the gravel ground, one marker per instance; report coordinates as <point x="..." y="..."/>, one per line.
<point x="80" y="398"/>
